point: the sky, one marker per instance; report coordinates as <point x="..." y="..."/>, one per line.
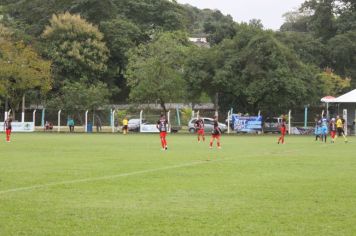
<point x="269" y="11"/>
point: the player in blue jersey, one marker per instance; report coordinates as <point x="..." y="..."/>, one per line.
<point x="317" y="128"/>
<point x="324" y="128"/>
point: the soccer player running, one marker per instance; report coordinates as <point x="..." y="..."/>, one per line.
<point x="162" y="126"/>
<point x="332" y="127"/>
<point x="8" y="128"/>
<point x="283" y="129"/>
<point x="340" y="128"/>
<point x="216" y="134"/>
<point x="199" y="126"/>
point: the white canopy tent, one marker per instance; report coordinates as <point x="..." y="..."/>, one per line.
<point x="347" y="104"/>
<point x="349" y="97"/>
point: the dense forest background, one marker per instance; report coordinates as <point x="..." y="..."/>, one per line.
<point x="83" y="54"/>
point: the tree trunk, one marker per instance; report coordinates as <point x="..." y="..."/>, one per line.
<point x="216" y="104"/>
<point x="163" y="105"/>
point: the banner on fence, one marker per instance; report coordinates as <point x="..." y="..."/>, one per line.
<point x="20" y="127"/>
<point x="150" y="128"/>
<point x="247" y="124"/>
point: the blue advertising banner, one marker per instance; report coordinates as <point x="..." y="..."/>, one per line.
<point x="247" y="124"/>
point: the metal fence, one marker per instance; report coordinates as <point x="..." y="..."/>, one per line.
<point x="105" y="120"/>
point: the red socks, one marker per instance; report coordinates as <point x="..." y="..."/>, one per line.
<point x="164" y="143"/>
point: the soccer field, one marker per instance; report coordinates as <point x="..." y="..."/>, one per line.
<point x="107" y="184"/>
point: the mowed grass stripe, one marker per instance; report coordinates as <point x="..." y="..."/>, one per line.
<point x="110" y="177"/>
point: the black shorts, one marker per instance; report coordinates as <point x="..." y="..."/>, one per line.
<point x="340" y="131"/>
<point x="125" y="127"/>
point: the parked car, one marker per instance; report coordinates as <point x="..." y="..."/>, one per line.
<point x="208" y="125"/>
<point x="272" y="125"/>
<point x="134" y="125"/>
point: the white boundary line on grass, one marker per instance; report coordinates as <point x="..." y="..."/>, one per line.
<point x="100" y="178"/>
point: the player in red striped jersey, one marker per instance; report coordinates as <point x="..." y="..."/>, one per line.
<point x="216" y="134"/>
<point x="332" y="127"/>
<point x="162" y="126"/>
<point x="8" y="128"/>
<point x="283" y="128"/>
<point x="199" y="126"/>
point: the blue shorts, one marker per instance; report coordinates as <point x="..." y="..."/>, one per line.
<point x="317" y="130"/>
<point x="324" y="130"/>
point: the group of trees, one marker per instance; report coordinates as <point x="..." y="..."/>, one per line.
<point x="325" y="33"/>
<point x="82" y="54"/>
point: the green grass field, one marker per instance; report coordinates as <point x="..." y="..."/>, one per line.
<point x="81" y="184"/>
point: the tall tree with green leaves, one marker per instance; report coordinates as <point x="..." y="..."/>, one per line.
<point x="255" y="72"/>
<point x="295" y="21"/>
<point x="76" y="48"/>
<point x="332" y="84"/>
<point x="21" y="70"/>
<point x="219" y="27"/>
<point x="342" y="50"/>
<point x="75" y="96"/>
<point x="322" y="21"/>
<point x="120" y="36"/>
<point x="153" y="15"/>
<point x="199" y="71"/>
<point x="155" y="70"/>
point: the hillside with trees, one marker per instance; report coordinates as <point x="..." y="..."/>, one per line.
<point x="123" y="51"/>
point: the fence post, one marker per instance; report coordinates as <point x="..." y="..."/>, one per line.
<point x="43" y="117"/>
<point x="6" y="107"/>
<point x="110" y="120"/>
<point x="86" y="121"/>
<point x="289" y="121"/>
<point x="59" y="120"/>
<point x="113" y="121"/>
<point x="305" y="117"/>
<point x="169" y="121"/>
<point x="7" y="114"/>
<point x="327" y="110"/>
<point x="22" y="117"/>
<point x="23" y="110"/>
<point x="34" y="119"/>
<point x="228" y="122"/>
<point x="178" y="117"/>
<point x="141" y="117"/>
<point x="344" y="114"/>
